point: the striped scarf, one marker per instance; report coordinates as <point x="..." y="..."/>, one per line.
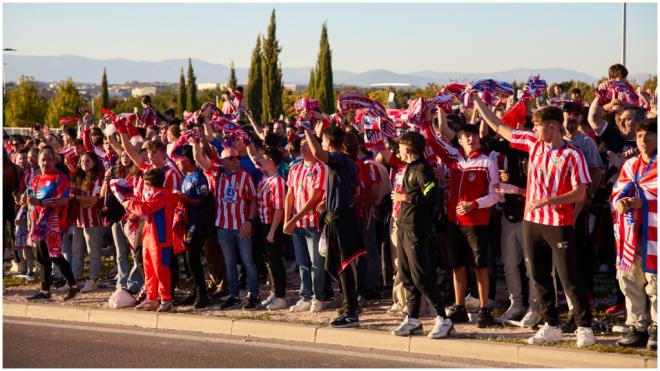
<point x="621" y="90"/>
<point x="351" y="101"/>
<point x="633" y="183"/>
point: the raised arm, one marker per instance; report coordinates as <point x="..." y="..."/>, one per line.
<point x="315" y="147"/>
<point x="131" y="151"/>
<point x="595" y="117"/>
<point x="199" y="157"/>
<point x="257" y="129"/>
<point x="492" y="120"/>
<point x="444" y="126"/>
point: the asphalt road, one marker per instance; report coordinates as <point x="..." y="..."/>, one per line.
<point x="45" y="344"/>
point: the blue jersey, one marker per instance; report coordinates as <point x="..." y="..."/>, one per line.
<point x="195" y="186"/>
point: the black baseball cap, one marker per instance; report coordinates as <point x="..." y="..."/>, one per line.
<point x="572" y="107"/>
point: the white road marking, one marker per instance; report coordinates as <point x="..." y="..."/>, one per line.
<point x="253" y="343"/>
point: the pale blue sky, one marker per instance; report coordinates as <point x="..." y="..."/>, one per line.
<point x="399" y="37"/>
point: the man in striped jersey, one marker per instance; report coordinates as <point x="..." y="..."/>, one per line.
<point x="635" y="200"/>
<point x="557" y="179"/>
<point x="306" y="185"/>
<point x="236" y="205"/>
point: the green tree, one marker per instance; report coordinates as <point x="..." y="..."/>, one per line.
<point x="272" y="75"/>
<point x="181" y="99"/>
<point x="232" y="82"/>
<point x="651" y="83"/>
<point x="255" y="80"/>
<point x="288" y="100"/>
<point x="323" y="82"/>
<point x="25" y="106"/>
<point x="105" y="97"/>
<point x="311" y="85"/>
<point x="191" y="103"/>
<point x="65" y="103"/>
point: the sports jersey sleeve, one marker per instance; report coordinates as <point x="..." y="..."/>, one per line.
<point x="63" y="187"/>
<point x="396" y="163"/>
<point x="278" y="193"/>
<point x="492" y="197"/>
<point x="523" y="140"/>
<point x="320" y="172"/>
<point x="292" y="175"/>
<point x="145" y="208"/>
<point x="447" y="153"/>
<point x="249" y="191"/>
<point x="579" y="171"/>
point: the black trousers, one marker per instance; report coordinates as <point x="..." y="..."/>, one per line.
<point x="349" y="289"/>
<point x="273" y="255"/>
<point x="586" y="252"/>
<point x="548" y="246"/>
<point x="174" y="271"/>
<point x="47" y="263"/>
<point x="416" y="271"/>
<point x="194" y="261"/>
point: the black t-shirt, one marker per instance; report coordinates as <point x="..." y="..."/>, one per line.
<point x="419" y="182"/>
<point x="341" y="182"/>
<point x="614" y="141"/>
<point x="513" y="206"/>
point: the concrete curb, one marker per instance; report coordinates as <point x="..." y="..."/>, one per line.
<point x="460" y="348"/>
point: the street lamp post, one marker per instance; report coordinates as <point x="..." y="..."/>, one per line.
<point x="623" y="35"/>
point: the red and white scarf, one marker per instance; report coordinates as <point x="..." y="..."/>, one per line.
<point x="636" y="223"/>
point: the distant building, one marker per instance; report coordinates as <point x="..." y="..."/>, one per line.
<point x="207" y="86"/>
<point x="295" y="87"/>
<point x="144" y="90"/>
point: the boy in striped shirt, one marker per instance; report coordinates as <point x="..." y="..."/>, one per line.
<point x="557" y="179"/>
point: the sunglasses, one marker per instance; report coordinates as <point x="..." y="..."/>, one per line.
<point x="233" y="158"/>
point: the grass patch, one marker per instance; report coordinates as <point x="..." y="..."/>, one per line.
<point x="11" y="281"/>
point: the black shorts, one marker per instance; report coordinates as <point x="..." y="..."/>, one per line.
<point x="467" y="244"/>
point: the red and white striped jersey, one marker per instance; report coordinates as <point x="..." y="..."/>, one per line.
<point x="397" y="169"/>
<point x="270" y="197"/>
<point x="551" y="172"/>
<point x="369" y="176"/>
<point x="303" y="180"/>
<point x="233" y="194"/>
<point x="173" y="178"/>
<point x="89" y="217"/>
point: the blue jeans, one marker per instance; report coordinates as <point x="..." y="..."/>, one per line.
<point x="229" y="243"/>
<point x="93" y="238"/>
<point x="310" y="262"/>
<point x="131" y="281"/>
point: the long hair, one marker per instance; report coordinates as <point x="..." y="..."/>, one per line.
<point x="85" y="180"/>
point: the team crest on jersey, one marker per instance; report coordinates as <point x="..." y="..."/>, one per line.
<point x="230" y="194"/>
<point x="203" y="188"/>
<point x="472" y="177"/>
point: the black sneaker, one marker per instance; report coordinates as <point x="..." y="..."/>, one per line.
<point x="73" y="291"/>
<point x="569" y="326"/>
<point x="59" y="282"/>
<point x="41" y="295"/>
<point x="229" y="303"/>
<point x="252" y="303"/>
<point x="458" y="314"/>
<point x="165" y="306"/>
<point x="345" y="321"/>
<point x="188" y="300"/>
<point x="484" y="318"/>
<point x="652" y="344"/>
<point x="201" y="301"/>
<point x="141" y="295"/>
<point x="633" y="339"/>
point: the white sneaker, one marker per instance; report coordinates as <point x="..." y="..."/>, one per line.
<point x="546" y="334"/>
<point x="531" y="318"/>
<point x="15" y="268"/>
<point x="90" y="285"/>
<point x="264" y="303"/>
<point x="277" y="303"/>
<point x="408" y="327"/>
<point x="301" y="306"/>
<point x="443" y="327"/>
<point x="471" y="303"/>
<point x="514" y="312"/>
<point x="585" y="337"/>
<point x="316" y="306"/>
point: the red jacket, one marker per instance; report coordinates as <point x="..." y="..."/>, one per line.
<point x="472" y="178"/>
<point x="159" y="211"/>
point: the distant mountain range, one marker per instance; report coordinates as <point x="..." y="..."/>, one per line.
<point x="87" y="70"/>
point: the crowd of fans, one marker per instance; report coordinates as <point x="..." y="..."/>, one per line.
<point x="371" y="198"/>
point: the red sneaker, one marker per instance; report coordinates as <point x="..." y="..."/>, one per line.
<point x="618" y="309"/>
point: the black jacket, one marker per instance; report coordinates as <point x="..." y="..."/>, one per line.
<point x="420" y="183"/>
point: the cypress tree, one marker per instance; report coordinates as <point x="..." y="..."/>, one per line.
<point x="105" y="97"/>
<point x="311" y="86"/>
<point x="191" y="103"/>
<point x="324" y="85"/>
<point x="254" y="87"/>
<point x="181" y="99"/>
<point x="272" y="75"/>
<point x="232" y="83"/>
